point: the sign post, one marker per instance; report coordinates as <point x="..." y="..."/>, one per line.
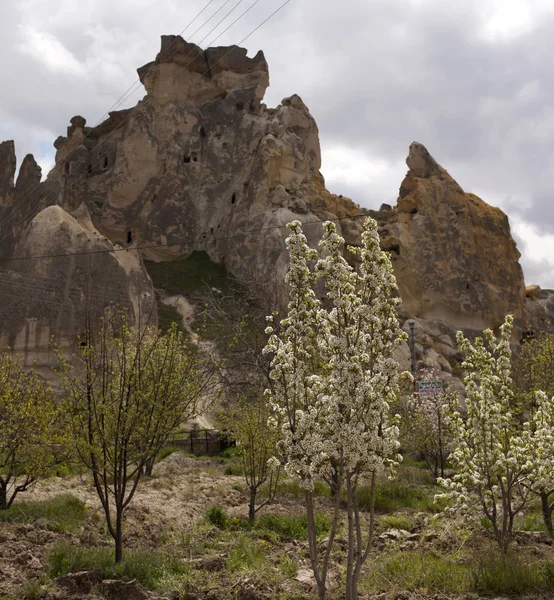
<point x="429" y="388"/>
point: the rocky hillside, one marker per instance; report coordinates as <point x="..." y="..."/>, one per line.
<point x="202" y="164"/>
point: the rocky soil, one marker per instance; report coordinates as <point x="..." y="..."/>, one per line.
<point x="166" y="517"/>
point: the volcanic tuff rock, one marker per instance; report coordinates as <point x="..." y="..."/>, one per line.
<point x="202" y="164"/>
<point x="453" y="254"/>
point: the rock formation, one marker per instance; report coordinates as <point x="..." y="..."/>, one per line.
<point x="202" y="164"/>
<point x="454" y="256"/>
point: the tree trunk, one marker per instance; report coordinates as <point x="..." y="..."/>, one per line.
<point x="149" y="466"/>
<point x="351" y="541"/>
<point x="3" y="497"/>
<point x="252" y="505"/>
<point x="546" y="513"/>
<point x="334" y="478"/>
<point x="118" y="537"/>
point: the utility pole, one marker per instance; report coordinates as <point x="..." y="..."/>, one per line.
<point x="412" y="347"/>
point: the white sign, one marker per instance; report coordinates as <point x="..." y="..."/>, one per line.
<point x="429" y="388"/>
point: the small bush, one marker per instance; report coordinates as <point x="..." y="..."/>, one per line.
<point x="498" y="574"/>
<point x="215" y="515"/>
<point x="392" y="522"/>
<point x="62" y="513"/>
<point x="147" y="567"/>
<point x="233" y="470"/>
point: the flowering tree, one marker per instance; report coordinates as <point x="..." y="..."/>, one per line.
<point x="490" y="454"/>
<point x="33" y="435"/>
<point x="333" y="380"/>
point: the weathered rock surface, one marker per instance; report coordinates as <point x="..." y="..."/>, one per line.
<point x="202" y="164"/>
<point x="453" y="254"/>
<point x="51" y="297"/>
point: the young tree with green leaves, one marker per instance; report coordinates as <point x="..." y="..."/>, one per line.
<point x="533" y="370"/>
<point x="490" y="453"/>
<point x="127" y="391"/>
<point x="33" y="436"/>
<point x="333" y="380"/>
<point x="249" y="423"/>
<point x="425" y="427"/>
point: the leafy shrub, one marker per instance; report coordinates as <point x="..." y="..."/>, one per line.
<point x="233" y="470"/>
<point x="216" y="516"/>
<point x="62" y="513"/>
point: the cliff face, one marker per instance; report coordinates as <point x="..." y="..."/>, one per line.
<point x="202" y="164"/>
<point x="199" y="164"/>
<point x="454" y="256"/>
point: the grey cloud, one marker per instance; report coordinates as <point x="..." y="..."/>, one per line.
<point x="376" y="76"/>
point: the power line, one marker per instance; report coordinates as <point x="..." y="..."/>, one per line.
<point x="173" y="244"/>
<point x="125" y="120"/>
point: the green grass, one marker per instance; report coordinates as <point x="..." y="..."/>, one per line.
<point x="413" y="571"/>
<point x="291" y="527"/>
<point x="292" y="488"/>
<point x="393" y="522"/>
<point x="247" y="554"/>
<point x="497" y="574"/>
<point x="165" y="452"/>
<point x="394" y="496"/>
<point x="147" y="567"/>
<point x="62" y="513"/>
<point x="489" y="574"/>
<point x="184" y="277"/>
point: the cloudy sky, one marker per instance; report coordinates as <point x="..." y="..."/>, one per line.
<point x="470" y="79"/>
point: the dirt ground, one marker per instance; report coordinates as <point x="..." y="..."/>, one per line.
<point x="167" y="513"/>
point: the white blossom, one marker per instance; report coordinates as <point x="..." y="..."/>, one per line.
<point x="490" y="454"/>
<point x="333" y="374"/>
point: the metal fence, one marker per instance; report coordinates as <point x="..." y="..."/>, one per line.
<point x="207" y="442"/>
